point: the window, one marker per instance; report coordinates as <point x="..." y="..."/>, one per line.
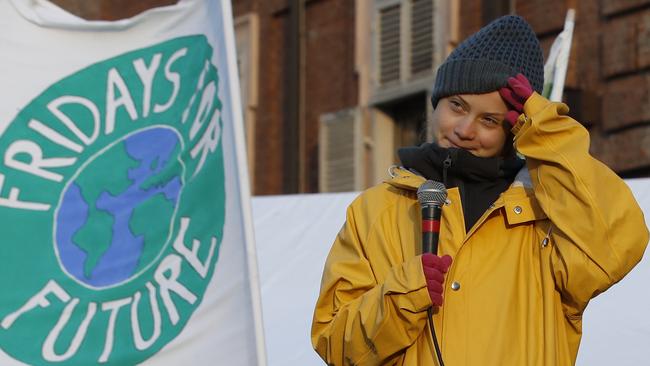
<point x="421" y="45"/>
<point x="341" y="149"/>
<point x="389" y="44"/>
<point x="405" y="40"/>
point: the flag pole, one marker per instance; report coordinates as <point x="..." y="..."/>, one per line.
<point x="558" y="60"/>
<point x="244" y="184"/>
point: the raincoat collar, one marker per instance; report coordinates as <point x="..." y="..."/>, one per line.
<point x="518" y="201"/>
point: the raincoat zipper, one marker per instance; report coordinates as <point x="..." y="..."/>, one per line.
<point x="445" y="165"/>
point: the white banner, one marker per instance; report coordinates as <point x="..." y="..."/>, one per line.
<point x="125" y="226"/>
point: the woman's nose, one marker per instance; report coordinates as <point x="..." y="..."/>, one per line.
<point x="464" y="129"/>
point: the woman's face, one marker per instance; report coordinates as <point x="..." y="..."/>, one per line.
<point x="472" y="122"/>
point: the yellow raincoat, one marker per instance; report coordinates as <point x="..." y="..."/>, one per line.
<point x="522" y="275"/>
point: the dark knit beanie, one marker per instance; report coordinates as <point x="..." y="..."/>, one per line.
<point x="483" y="62"/>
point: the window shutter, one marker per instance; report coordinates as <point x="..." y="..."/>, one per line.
<point x="389" y="44"/>
<point x="339" y="151"/>
<point x="421" y="36"/>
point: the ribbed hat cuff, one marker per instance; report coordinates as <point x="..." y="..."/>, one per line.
<point x="468" y="76"/>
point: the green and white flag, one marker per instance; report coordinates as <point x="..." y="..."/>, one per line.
<point x="125" y="232"/>
<point x="558" y="60"/>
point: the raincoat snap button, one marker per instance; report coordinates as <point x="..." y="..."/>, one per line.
<point x="517" y="209"/>
<point x="455" y="285"/>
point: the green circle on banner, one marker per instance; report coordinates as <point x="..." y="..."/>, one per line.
<point x="112" y="199"/>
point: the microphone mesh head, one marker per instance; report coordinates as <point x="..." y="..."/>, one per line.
<point x="432" y="193"/>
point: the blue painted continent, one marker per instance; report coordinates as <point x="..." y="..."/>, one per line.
<point x="154" y="180"/>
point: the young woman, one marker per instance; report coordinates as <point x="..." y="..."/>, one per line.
<point x="524" y="245"/>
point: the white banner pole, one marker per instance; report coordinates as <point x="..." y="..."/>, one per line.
<point x="244" y="184"/>
<point x="562" y="62"/>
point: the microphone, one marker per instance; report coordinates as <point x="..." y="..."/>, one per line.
<point x="431" y="195"/>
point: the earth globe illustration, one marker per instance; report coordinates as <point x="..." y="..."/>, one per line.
<point x="116" y="215"/>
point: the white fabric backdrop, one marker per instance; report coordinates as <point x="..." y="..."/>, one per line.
<point x="294" y="234"/>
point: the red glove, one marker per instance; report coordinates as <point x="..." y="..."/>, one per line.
<point x="515" y="95"/>
<point x="434" y="272"/>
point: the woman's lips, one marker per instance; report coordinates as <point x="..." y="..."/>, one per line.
<point x="454" y="145"/>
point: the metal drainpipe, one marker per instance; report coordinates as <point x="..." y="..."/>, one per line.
<point x="302" y="96"/>
<point x="292" y="107"/>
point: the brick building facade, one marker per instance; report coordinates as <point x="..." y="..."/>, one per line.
<point x="301" y="76"/>
<point x="314" y="61"/>
<point x="608" y="81"/>
<point x="607" y="85"/>
<point x="109" y="9"/>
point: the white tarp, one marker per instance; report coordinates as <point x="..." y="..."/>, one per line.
<point x="125" y="236"/>
<point x="294" y="234"/>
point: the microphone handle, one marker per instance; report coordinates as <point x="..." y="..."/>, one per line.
<point x="430" y="235"/>
<point x="430" y="228"/>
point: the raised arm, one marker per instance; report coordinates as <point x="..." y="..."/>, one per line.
<point x="598" y="229"/>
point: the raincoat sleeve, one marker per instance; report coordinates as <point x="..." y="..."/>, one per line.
<point x="598" y="230"/>
<point x="360" y="320"/>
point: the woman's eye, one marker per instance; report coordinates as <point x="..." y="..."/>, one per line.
<point x="455" y="105"/>
<point x="490" y="121"/>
